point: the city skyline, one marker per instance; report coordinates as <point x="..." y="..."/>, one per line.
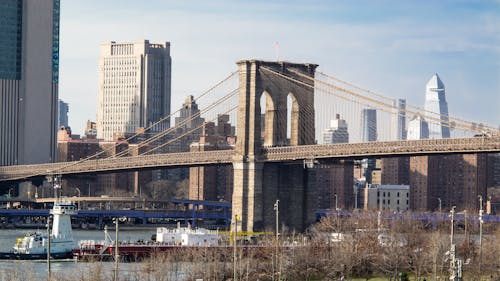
<point x="389" y="47"/>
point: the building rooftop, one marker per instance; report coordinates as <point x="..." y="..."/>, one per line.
<point x="392" y="187"/>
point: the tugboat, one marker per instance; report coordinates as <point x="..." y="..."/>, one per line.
<point x="35" y="245"/>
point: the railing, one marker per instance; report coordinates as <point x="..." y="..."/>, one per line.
<point x="411" y="147"/>
<point x="119" y="163"/>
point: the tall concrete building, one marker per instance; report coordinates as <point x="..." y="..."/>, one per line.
<point x="398" y="119"/>
<point x="134" y="87"/>
<point x="368" y="125"/>
<point x="436" y="108"/>
<point x="62" y="116"/>
<point x="418" y="128"/>
<point x="337" y="133"/>
<point x="29" y="71"/>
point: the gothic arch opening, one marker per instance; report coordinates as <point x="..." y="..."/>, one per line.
<point x="292" y="124"/>
<point x="267" y="119"/>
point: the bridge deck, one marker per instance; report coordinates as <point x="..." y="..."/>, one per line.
<point x="270" y="154"/>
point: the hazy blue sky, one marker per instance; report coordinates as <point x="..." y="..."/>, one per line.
<point x="393" y="47"/>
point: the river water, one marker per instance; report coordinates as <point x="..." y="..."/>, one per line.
<point x="68" y="269"/>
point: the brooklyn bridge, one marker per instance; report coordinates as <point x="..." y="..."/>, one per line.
<point x="279" y="109"/>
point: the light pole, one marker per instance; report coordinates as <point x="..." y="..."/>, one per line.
<point x="455" y="264"/>
<point x="235" y="275"/>
<point x="276" y="208"/>
<point x="48" y="249"/>
<point x="480" y="231"/>
<point x="117" y="253"/>
<point x="439" y="199"/>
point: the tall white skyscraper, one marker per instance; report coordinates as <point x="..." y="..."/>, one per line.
<point x="29" y="73"/>
<point x="134" y="87"/>
<point x="337" y="133"/>
<point x="436" y="108"/>
<point x="418" y="128"/>
<point x="398" y="119"/>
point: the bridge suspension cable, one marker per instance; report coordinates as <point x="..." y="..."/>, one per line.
<point x="185" y="133"/>
<point x="181" y="124"/>
<point x="418" y="109"/>
<point x="372" y="102"/>
<point x="172" y="129"/>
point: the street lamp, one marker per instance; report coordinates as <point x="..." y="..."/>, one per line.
<point x="117" y="254"/>
<point x="480" y="231"/>
<point x="236" y="218"/>
<point x="455" y="264"/>
<point x="276" y="208"/>
<point x="48" y="249"/>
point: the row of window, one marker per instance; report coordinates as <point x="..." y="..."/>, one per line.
<point x="121" y="61"/>
<point x="389" y="194"/>
<point x="389" y="202"/>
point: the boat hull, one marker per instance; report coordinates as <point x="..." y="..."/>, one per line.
<point x="19" y="256"/>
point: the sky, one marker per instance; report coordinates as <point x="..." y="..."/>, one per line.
<point x="391" y="47"/>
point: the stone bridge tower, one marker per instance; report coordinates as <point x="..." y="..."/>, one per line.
<point x="258" y="185"/>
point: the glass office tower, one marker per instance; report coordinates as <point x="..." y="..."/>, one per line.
<point x="29" y="70"/>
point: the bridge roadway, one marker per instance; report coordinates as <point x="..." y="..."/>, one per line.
<point x="269" y="154"/>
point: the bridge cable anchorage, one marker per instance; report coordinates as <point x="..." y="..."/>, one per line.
<point x="110" y="149"/>
<point x="389" y="108"/>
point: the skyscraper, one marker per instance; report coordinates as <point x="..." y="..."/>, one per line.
<point x="29" y="71"/>
<point x="368" y="125"/>
<point x="63" y="114"/>
<point x="134" y="87"/>
<point x="436" y="108"/>
<point x="418" y="128"/>
<point x="398" y="119"/>
<point x="337" y="133"/>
